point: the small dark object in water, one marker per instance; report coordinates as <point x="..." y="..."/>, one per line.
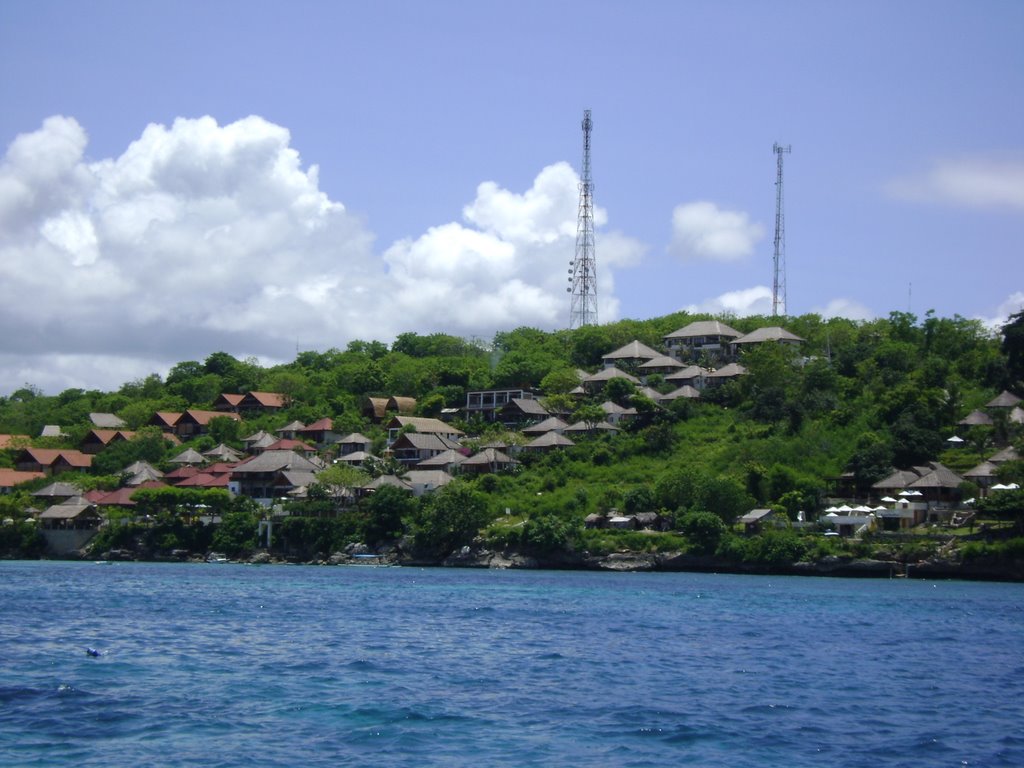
<point x="92" y="652"/>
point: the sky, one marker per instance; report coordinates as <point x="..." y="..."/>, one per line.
<point x="262" y="178"/>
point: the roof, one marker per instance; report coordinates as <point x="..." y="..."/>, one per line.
<point x="443" y="459"/>
<point x="377" y="405"/>
<point x="286" y="444"/>
<point x="50" y="456"/>
<point x="704" y="328"/>
<point x="52" y="430"/>
<point x="552" y="424"/>
<point x="231" y="399"/>
<point x="106" y="436"/>
<point x="771" y="333"/>
<point x="662" y="361"/>
<point x="355" y="457"/>
<point x="292" y="426"/>
<point x="424" y="441"/>
<point x="755" y="515"/>
<point x="383" y="480"/>
<point x="106" y="421"/>
<point x="529" y="407"/>
<point x="1007" y="454"/>
<point x="424" y="424"/>
<point x="404" y="405"/>
<point x="188" y="456"/>
<point x="939" y="477"/>
<point x="321" y="425"/>
<point x="165" y="418"/>
<point x="1004" y="399"/>
<point x="264" y="399"/>
<point x="205" y="417"/>
<point x="225" y="452"/>
<point x="428" y="477"/>
<point x="985" y="469"/>
<point x="69" y="511"/>
<point x="976" y="419"/>
<point x="488" y="456"/>
<point x="900" y="478"/>
<point x="12" y="477"/>
<point x="726" y="371"/>
<point x="355" y="438"/>
<point x="635" y="350"/>
<point x="606" y="374"/>
<point x="273" y="461"/>
<point x="684" y="391"/>
<point x="549" y="440"/>
<point x="582" y="426"/>
<point x="57" y="489"/>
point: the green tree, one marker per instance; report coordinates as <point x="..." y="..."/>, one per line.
<point x="703" y="530"/>
<point x="449" y="518"/>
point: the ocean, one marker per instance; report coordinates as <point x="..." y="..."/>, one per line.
<point x="232" y="665"/>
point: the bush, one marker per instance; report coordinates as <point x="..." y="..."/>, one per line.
<point x="703" y="531"/>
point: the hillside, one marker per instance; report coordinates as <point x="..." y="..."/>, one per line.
<point x="806" y="424"/>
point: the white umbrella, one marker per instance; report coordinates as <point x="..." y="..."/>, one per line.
<point x="954" y="439"/>
<point x="832" y="509"/>
<point x="999" y="487"/>
<point x="880" y="509"/>
<point x="1013" y="487"/>
<point x="845" y="508"/>
<point x="888" y="500"/>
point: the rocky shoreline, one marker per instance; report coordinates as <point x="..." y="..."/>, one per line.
<point x="469" y="557"/>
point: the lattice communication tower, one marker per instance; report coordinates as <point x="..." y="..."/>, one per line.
<point x="583" y="268"/>
<point x="779" y="260"/>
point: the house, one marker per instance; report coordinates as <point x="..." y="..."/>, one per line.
<point x="298" y="446"/>
<point x="692" y="375"/>
<point x="661" y="365"/>
<point x="413" y="447"/>
<point x="222" y="453"/>
<point x="597" y="381"/>
<point x="74" y="514"/>
<point x="356" y="458"/>
<point x="354" y="442"/>
<point x="615" y="414"/>
<point x="227" y="402"/>
<point x="685" y="392"/>
<point x="1007" y="454"/>
<point x="587" y="428"/>
<point x="165" y="420"/>
<point x="764" y="335"/>
<point x="106" y="421"/>
<point x="139" y="472"/>
<point x="487" y="403"/>
<point x="520" y="411"/>
<point x="262" y="402"/>
<point x="632" y="355"/>
<point x="724" y="374"/>
<point x="289" y="431"/>
<point x="271" y="474"/>
<point x="983" y="475"/>
<point x="754" y="521"/>
<point x="426" y="480"/>
<point x="257" y="441"/>
<point x="321" y="433"/>
<point x="422" y="425"/>
<point x="403" y="406"/>
<point x="703" y="337"/>
<point x="193" y="423"/>
<point x="976" y="419"/>
<point x="51" y="461"/>
<point x="376" y="409"/>
<point x="98" y="439"/>
<point x="12" y="478"/>
<point x="57" y="493"/>
<point x="549" y="441"/>
<point x="489" y="460"/>
<point x="449" y="461"/>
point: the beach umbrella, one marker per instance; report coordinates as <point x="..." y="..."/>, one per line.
<point x="1013" y="487"/>
<point x="862" y="508"/>
<point x="832" y="509"/>
<point x="999" y="487"/>
<point x="954" y="439"/>
<point x="888" y="500"/>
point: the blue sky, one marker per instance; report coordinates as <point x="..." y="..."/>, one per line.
<point x="258" y="177"/>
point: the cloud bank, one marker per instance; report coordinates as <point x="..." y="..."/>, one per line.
<point x="967" y="182"/>
<point x="702" y="231"/>
<point x="202" y="237"/>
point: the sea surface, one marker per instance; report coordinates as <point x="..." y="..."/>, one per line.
<point x="231" y="665"/>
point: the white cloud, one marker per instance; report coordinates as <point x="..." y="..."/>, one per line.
<point x="1013" y="304"/>
<point x="201" y="237"/>
<point x="848" y="308"/>
<point x="971" y="182"/>
<point x="702" y="231"/>
<point x="747" y="301"/>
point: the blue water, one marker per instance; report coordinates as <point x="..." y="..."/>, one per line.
<point x="229" y="665"/>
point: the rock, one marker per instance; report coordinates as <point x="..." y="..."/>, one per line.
<point x="261" y="558"/>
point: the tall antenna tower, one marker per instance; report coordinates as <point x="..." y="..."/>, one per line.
<point x="779" y="261"/>
<point x="583" y="269"/>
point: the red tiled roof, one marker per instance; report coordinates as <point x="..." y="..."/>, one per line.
<point x="8" y="441"/>
<point x="290" y="445"/>
<point x="49" y="456"/>
<point x="12" y="477"/>
<point x="267" y="399"/>
<point x="206" y="480"/>
<point x="324" y="424"/>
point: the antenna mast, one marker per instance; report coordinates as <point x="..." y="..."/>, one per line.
<point x="583" y="269"/>
<point x="779" y="260"/>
